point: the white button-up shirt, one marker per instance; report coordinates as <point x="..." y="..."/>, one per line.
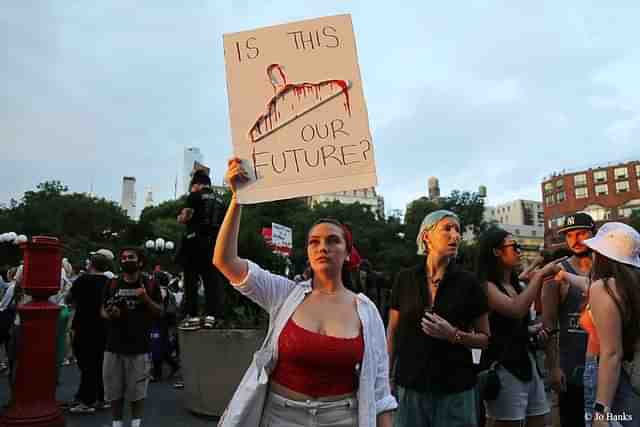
<point x="281" y="297"/>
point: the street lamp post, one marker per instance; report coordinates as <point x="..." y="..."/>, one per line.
<point x="159" y="245"/>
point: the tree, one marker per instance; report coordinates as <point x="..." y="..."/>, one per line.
<point x="77" y="220"/>
<point x="634" y="221"/>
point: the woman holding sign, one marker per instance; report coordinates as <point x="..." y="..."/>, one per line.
<point x="324" y="357"/>
<point x="438" y="313"/>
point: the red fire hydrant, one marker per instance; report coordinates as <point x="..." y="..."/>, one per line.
<point x="33" y="400"/>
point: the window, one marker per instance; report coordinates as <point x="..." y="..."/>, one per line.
<point x="582" y="193"/>
<point x="602" y="190"/>
<point x="560" y="221"/>
<point x="533" y="232"/>
<point x="600" y="176"/>
<point x="622" y="186"/>
<point x="549" y="200"/>
<point x="517" y="232"/>
<point x="638" y="171"/>
<point x="560" y="197"/>
<point x="548" y="187"/>
<point x="621" y="173"/>
<point x="560" y="183"/>
<point x="598" y="213"/>
<point x="580" y="179"/>
<point x="627" y="212"/>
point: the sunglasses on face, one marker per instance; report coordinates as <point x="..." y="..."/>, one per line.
<point x="516" y="246"/>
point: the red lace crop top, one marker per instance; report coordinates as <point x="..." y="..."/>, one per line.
<point x="317" y="365"/>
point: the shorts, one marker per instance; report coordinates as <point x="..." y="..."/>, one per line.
<point x="518" y="400"/>
<point x="126" y="376"/>
<point x="282" y="412"/>
<point x="625" y="403"/>
<point x="435" y="409"/>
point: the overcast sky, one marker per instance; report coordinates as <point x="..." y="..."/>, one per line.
<point x="474" y="92"/>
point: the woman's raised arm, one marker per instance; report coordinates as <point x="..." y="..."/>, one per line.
<point x="225" y="255"/>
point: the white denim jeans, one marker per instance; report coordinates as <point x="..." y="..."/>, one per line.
<point x="282" y="412"/>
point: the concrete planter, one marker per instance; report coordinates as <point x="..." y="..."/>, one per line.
<point x="213" y="363"/>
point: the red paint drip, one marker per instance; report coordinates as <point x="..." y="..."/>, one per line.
<point x="272" y="115"/>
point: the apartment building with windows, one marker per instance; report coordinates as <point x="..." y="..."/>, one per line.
<point x="607" y="193"/>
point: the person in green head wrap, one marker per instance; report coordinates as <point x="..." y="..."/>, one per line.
<point x="438" y="313"/>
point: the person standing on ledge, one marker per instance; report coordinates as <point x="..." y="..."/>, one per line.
<point x="202" y="216"/>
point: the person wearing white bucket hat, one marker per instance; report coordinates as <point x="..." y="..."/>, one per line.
<point x="612" y="319"/>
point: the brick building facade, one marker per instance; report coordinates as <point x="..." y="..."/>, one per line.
<point x="608" y="193"/>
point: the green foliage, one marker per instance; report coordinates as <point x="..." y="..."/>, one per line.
<point x="635" y="219"/>
<point x="79" y="221"/>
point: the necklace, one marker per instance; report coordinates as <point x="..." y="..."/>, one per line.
<point x="320" y="291"/>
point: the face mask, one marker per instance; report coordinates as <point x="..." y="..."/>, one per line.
<point x="129" y="267"/>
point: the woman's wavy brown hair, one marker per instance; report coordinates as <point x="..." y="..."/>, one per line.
<point x="628" y="299"/>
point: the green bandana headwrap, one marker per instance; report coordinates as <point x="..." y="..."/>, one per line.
<point x="430" y="221"/>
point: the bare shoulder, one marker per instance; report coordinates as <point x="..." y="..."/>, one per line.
<point x="598" y="292"/>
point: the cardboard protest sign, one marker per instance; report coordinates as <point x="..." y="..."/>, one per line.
<point x="296" y="105"/>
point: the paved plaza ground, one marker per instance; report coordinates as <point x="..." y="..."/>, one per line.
<point x="164" y="406"/>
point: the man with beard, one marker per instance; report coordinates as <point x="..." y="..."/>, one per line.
<point x="561" y="307"/>
<point x="202" y="215"/>
<point x="130" y="305"/>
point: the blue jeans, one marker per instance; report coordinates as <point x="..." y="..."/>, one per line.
<point x="430" y="409"/>
<point x="624" y="402"/>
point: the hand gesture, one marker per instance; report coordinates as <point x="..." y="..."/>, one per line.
<point x="551" y="269"/>
<point x="558" y="381"/>
<point x="141" y="293"/>
<point x="113" y="312"/>
<point x="437" y="327"/>
<point x="235" y="174"/>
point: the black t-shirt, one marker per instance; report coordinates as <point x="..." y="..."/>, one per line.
<point x="131" y="332"/>
<point x="208" y="212"/>
<point x="87" y="292"/>
<point x="425" y="363"/>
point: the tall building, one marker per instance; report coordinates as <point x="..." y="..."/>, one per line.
<point x="129" y="196"/>
<point x="365" y="196"/>
<point x="434" y="188"/>
<point x="148" y="197"/>
<point x="607" y="193"/>
<point x="190" y="156"/>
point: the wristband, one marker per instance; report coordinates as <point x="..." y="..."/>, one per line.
<point x="601" y="408"/>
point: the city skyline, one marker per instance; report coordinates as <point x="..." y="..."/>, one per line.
<point x="491" y="94"/>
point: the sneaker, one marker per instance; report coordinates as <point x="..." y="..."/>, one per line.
<point x="102" y="405"/>
<point x="191" y="324"/>
<point x="209" y="322"/>
<point x="179" y="385"/>
<point x="68" y="404"/>
<point x="173" y="371"/>
<point x="81" y="408"/>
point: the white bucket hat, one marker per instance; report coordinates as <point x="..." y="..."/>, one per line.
<point x="618" y="242"/>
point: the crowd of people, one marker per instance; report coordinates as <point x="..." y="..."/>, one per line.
<point x="333" y="357"/>
<point x="328" y="361"/>
<point x="119" y="329"/>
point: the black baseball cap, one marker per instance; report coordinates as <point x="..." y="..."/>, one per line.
<point x="200" y="178"/>
<point x="577" y="221"/>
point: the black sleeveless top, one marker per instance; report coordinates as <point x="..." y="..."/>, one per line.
<point x="509" y="343"/>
